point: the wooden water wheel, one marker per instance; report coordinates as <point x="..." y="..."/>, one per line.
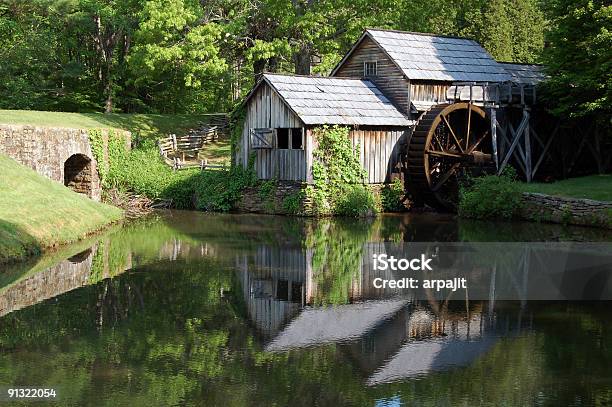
<point x="448" y="142"/>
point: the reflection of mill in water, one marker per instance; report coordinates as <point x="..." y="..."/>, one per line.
<point x="388" y="337"/>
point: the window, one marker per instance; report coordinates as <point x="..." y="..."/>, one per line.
<point x="261" y="138"/>
<point x="296" y="139"/>
<point x="282" y="139"/>
<point x="370" y="68"/>
<point x="289" y="138"/>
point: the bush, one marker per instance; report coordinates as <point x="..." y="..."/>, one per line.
<point x="143" y="172"/>
<point x="357" y="201"/>
<point x="220" y="190"/>
<point x="392" y="195"/>
<point x="491" y="197"/>
<point x="292" y="203"/>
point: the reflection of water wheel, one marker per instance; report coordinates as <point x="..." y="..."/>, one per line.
<point x="447" y="143"/>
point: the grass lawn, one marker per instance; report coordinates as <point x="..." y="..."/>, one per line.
<point x="37" y="213"/>
<point x="147" y="125"/>
<point x="597" y="187"/>
<point x="216" y="152"/>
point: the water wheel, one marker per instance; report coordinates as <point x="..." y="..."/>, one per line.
<point x="449" y="141"/>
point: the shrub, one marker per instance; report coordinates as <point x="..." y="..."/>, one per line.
<point x="292" y="203"/>
<point x="491" y="197"/>
<point x="357" y="201"/>
<point x="220" y="190"/>
<point x="143" y="172"/>
<point x="391" y="196"/>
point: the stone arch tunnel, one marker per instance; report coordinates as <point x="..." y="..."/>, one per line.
<point x="61" y="154"/>
<point x="78" y="174"/>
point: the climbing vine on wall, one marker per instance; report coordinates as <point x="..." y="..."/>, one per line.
<point x="236" y="122"/>
<point x="338" y="176"/>
<point x="97" y="148"/>
<point x="109" y="164"/>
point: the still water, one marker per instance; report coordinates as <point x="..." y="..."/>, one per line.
<point x="188" y="308"/>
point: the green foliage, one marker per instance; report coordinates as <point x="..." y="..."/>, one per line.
<point x="111" y="153"/>
<point x="579" y="59"/>
<point x="292" y="203"/>
<point x="267" y="193"/>
<point x="338" y="176"/>
<point x="173" y="46"/>
<point x="237" y="118"/>
<point x="491" y="197"/>
<point x="220" y="190"/>
<point x="392" y="196"/>
<point x="186" y="56"/>
<point x="358" y="200"/>
<point x="267" y="189"/>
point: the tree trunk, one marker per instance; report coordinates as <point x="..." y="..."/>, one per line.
<point x="302" y="61"/>
<point x="108" y="105"/>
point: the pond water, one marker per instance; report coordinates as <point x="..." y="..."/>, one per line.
<point x="187" y="308"/>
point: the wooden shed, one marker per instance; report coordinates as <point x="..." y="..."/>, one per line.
<point x="423" y="106"/>
<point x="281" y="112"/>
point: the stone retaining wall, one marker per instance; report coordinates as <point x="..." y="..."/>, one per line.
<point x="571" y="211"/>
<point x="254" y="201"/>
<point x="47" y="150"/>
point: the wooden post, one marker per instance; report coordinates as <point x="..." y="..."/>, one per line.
<point x="494" y="136"/>
<point x="527" y="147"/>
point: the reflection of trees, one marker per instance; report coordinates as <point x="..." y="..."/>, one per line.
<point x="337" y="252"/>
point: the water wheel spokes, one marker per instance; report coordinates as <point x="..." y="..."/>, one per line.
<point x="447" y="143"/>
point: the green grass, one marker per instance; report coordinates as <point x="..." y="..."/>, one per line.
<point x="37" y="213"/>
<point x="144" y="126"/>
<point x="147" y="125"/>
<point x="597" y="187"/>
<point x="217" y="152"/>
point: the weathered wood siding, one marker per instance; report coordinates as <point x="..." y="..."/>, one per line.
<point x="265" y="109"/>
<point x="390" y="79"/>
<point x="379" y="151"/>
<point x="429" y="91"/>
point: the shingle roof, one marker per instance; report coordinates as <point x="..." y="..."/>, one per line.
<point x="429" y="57"/>
<point x="325" y="100"/>
<point x="525" y="74"/>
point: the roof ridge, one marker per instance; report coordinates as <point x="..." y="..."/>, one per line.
<point x="420" y="33"/>
<point x="290" y="75"/>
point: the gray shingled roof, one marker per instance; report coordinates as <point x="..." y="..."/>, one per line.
<point x="325" y="100"/>
<point x="429" y="57"/>
<point x="525" y="74"/>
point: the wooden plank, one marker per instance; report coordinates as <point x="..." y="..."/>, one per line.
<point x="372" y="155"/>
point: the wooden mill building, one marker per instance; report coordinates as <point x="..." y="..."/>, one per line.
<point x="379" y="90"/>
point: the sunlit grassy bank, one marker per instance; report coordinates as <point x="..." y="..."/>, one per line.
<point x="143" y="124"/>
<point x="597" y="187"/>
<point x="37" y="213"/>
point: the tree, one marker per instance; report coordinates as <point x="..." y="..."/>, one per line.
<point x="579" y="59"/>
<point x="177" y="54"/>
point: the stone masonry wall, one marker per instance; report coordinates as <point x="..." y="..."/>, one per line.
<point x="571" y="211"/>
<point x="46" y="150"/>
<point x="254" y="201"/>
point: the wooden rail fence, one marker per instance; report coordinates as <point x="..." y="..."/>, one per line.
<point x="181" y="152"/>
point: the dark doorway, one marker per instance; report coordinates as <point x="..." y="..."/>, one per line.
<point x="77" y="174"/>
